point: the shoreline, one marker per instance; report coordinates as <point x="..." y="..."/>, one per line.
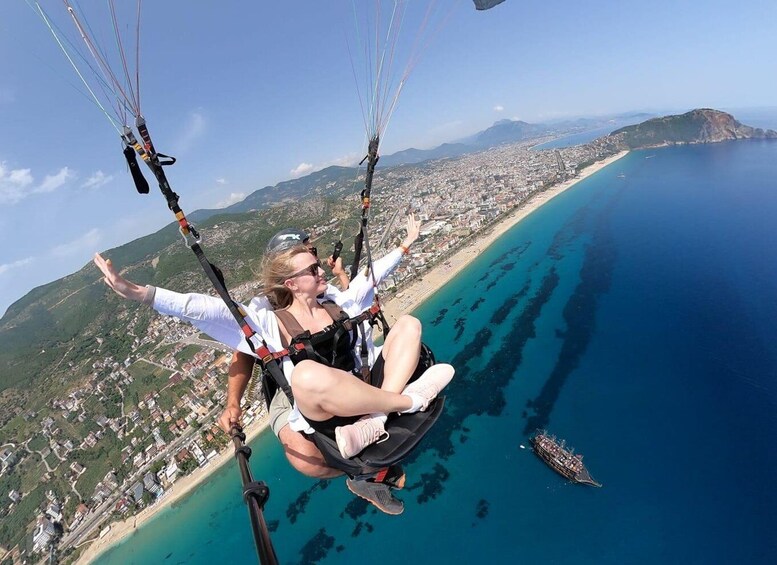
<point x="122" y="530"/>
<point x="418" y="291"/>
<point x="413" y="296"/>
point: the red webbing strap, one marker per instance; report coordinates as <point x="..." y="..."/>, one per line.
<point x="368" y="314"/>
<point x="266" y="355"/>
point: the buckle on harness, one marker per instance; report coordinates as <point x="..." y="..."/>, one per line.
<point x="191" y="238"/>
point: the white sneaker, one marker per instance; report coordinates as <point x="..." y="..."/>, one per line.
<point x="428" y="386"/>
<point x="353" y="438"/>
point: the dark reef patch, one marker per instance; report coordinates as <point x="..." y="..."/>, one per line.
<point x="459" y="325"/>
<point x="580" y="316"/>
<point x="472" y="350"/>
<point x="298" y="506"/>
<point x="507" y="267"/>
<point x="568" y="233"/>
<point x="475" y="304"/>
<point x="356" y="508"/>
<point x="317" y="547"/>
<point x="508" y="305"/>
<point x="431" y="483"/>
<point x="439" y="318"/>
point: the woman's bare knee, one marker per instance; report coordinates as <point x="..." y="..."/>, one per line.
<point x="409" y="325"/>
<point x="406" y="331"/>
<point x="308" y="377"/>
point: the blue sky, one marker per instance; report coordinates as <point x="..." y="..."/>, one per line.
<point x="246" y="94"/>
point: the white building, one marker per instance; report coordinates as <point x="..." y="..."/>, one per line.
<point x="43" y="534"/>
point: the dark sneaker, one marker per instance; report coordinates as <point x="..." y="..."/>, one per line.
<point x="378" y="494"/>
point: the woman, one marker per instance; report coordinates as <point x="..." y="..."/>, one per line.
<point x="294" y="280"/>
<point x="300" y="452"/>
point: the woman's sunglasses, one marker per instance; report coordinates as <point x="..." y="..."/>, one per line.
<point x="311" y="270"/>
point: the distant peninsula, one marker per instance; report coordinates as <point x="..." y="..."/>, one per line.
<point x="697" y="126"/>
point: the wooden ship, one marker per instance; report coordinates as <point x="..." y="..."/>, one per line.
<point x="562" y="458"/>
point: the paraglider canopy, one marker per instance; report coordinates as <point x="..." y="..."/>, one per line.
<point x="486" y="4"/>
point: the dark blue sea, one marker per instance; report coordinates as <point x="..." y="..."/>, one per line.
<point x="635" y="316"/>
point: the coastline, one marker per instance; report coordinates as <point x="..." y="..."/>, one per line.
<point x="412" y="296"/>
<point x="433" y="280"/>
<point x="120" y="531"/>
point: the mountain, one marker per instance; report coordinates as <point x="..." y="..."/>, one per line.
<point x="411" y="156"/>
<point x="697" y="126"/>
<point x="512" y="131"/>
<point x="509" y="131"/>
<point x="331" y="182"/>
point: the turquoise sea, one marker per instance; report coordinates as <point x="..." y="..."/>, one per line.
<point x="636" y="317"/>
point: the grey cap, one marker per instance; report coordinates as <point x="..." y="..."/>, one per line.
<point x="286" y="239"/>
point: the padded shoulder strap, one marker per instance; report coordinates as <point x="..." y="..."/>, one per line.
<point x="335" y="312"/>
<point x="290" y="323"/>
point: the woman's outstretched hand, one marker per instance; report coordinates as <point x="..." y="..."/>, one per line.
<point x="413" y="229"/>
<point x="119" y="284"/>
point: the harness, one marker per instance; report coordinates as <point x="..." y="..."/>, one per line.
<point x="329" y="347"/>
<point x="302" y="346"/>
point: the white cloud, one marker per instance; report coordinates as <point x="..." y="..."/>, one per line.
<point x="53" y="182"/>
<point x="84" y="245"/>
<point x="15" y="265"/>
<point x="221" y="181"/>
<point x="97" y="180"/>
<point x="20" y="177"/>
<point x="301" y="170"/>
<point x="499" y="108"/>
<point x="231" y="199"/>
<point x="12" y="184"/>
<point x="194" y="129"/>
<point x="18" y="184"/>
<point x="348" y="160"/>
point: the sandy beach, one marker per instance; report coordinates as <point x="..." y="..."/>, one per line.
<point x="409" y="298"/>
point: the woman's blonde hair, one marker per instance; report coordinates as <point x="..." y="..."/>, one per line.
<point x="276" y="269"/>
